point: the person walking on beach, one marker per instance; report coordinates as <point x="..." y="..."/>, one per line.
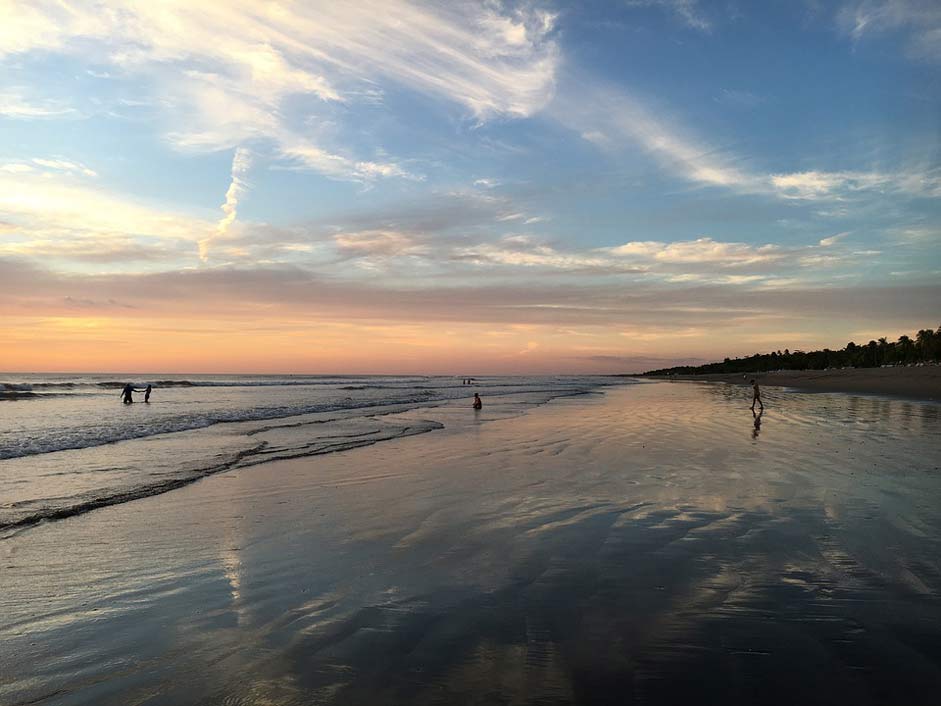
<point x="756" y="397"/>
<point x="128" y="394"/>
<point x="477" y="403"/>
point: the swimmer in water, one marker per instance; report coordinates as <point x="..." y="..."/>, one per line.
<point x="477" y="403"/>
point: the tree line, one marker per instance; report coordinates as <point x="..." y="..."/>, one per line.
<point x="925" y="347"/>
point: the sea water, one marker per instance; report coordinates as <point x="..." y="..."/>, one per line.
<point x="68" y="444"/>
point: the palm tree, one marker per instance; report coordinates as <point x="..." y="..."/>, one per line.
<point x="883" y="350"/>
<point x="906" y="348"/>
<point x="923" y="339"/>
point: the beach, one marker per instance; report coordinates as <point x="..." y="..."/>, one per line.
<point x="645" y="543"/>
<point x="914" y="382"/>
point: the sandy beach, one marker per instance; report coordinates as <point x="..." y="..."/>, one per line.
<point x="922" y="383"/>
<point x="645" y="545"/>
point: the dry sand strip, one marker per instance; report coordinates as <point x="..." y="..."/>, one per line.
<point x="922" y="383"/>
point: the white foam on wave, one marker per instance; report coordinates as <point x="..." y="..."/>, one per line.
<point x="80" y="437"/>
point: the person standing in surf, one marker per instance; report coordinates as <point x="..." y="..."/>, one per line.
<point x="128" y="394"/>
<point x="147" y="393"/>
<point x="756" y="397"/>
<point x="477" y="402"/>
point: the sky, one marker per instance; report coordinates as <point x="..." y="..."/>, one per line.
<point x="463" y="188"/>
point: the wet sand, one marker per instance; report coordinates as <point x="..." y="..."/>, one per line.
<point x="920" y="383"/>
<point x="644" y="546"/>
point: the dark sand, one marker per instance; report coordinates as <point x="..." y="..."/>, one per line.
<point x="920" y="383"/>
<point x="646" y="546"/>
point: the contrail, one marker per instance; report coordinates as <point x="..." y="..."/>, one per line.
<point x="241" y="161"/>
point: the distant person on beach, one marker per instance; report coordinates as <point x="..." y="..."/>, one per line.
<point x="477" y="403"/>
<point x="147" y="393"/>
<point x="756" y="397"/>
<point x="128" y="394"/>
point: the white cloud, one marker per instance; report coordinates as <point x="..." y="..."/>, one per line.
<point x="815" y="185"/>
<point x="241" y="162"/>
<point x="226" y="68"/>
<point x="701" y="250"/>
<point x="64" y="165"/>
<point x="50" y="207"/>
<point x="14" y="104"/>
<point x="679" y="261"/>
<point x="48" y="167"/>
<point x="542" y="256"/>
<point x="304" y="154"/>
<point x="919" y="19"/>
<point x="611" y="119"/>
<point x="608" y="117"/>
<point x="832" y="240"/>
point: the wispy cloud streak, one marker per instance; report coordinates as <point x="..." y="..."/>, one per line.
<point x="920" y="20"/>
<point x="612" y="119"/>
<point x="227" y="88"/>
<point x="241" y="162"/>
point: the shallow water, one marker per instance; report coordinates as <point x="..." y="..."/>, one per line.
<point x="643" y="546"/>
<point x="68" y="444"/>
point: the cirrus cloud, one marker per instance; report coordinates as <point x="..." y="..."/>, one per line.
<point x="228" y="87"/>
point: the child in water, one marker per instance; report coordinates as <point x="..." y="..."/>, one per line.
<point x="477" y="403"/>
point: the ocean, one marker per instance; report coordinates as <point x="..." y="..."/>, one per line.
<point x="69" y="445"/>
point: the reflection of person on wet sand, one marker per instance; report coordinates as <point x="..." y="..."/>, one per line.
<point x="477" y="403"/>
<point x="756" y="397"/>
<point x="757" y="430"/>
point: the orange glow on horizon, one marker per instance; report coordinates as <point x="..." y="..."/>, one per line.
<point x="239" y="345"/>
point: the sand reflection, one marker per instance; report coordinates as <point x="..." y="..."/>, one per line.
<point x="636" y="547"/>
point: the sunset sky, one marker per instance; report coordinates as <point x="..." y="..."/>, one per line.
<point x="383" y="187"/>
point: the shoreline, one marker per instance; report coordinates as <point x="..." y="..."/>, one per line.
<point x="338" y="431"/>
<point x="917" y="383"/>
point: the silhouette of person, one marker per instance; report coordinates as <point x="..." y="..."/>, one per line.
<point x="147" y="393"/>
<point x="128" y="394"/>
<point x="757" y="430"/>
<point x="756" y="397"/>
<point x="477" y="403"/>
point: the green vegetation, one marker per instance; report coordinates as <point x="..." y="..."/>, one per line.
<point x="924" y="348"/>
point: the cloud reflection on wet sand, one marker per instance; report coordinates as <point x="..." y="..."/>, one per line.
<point x="642" y="546"/>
